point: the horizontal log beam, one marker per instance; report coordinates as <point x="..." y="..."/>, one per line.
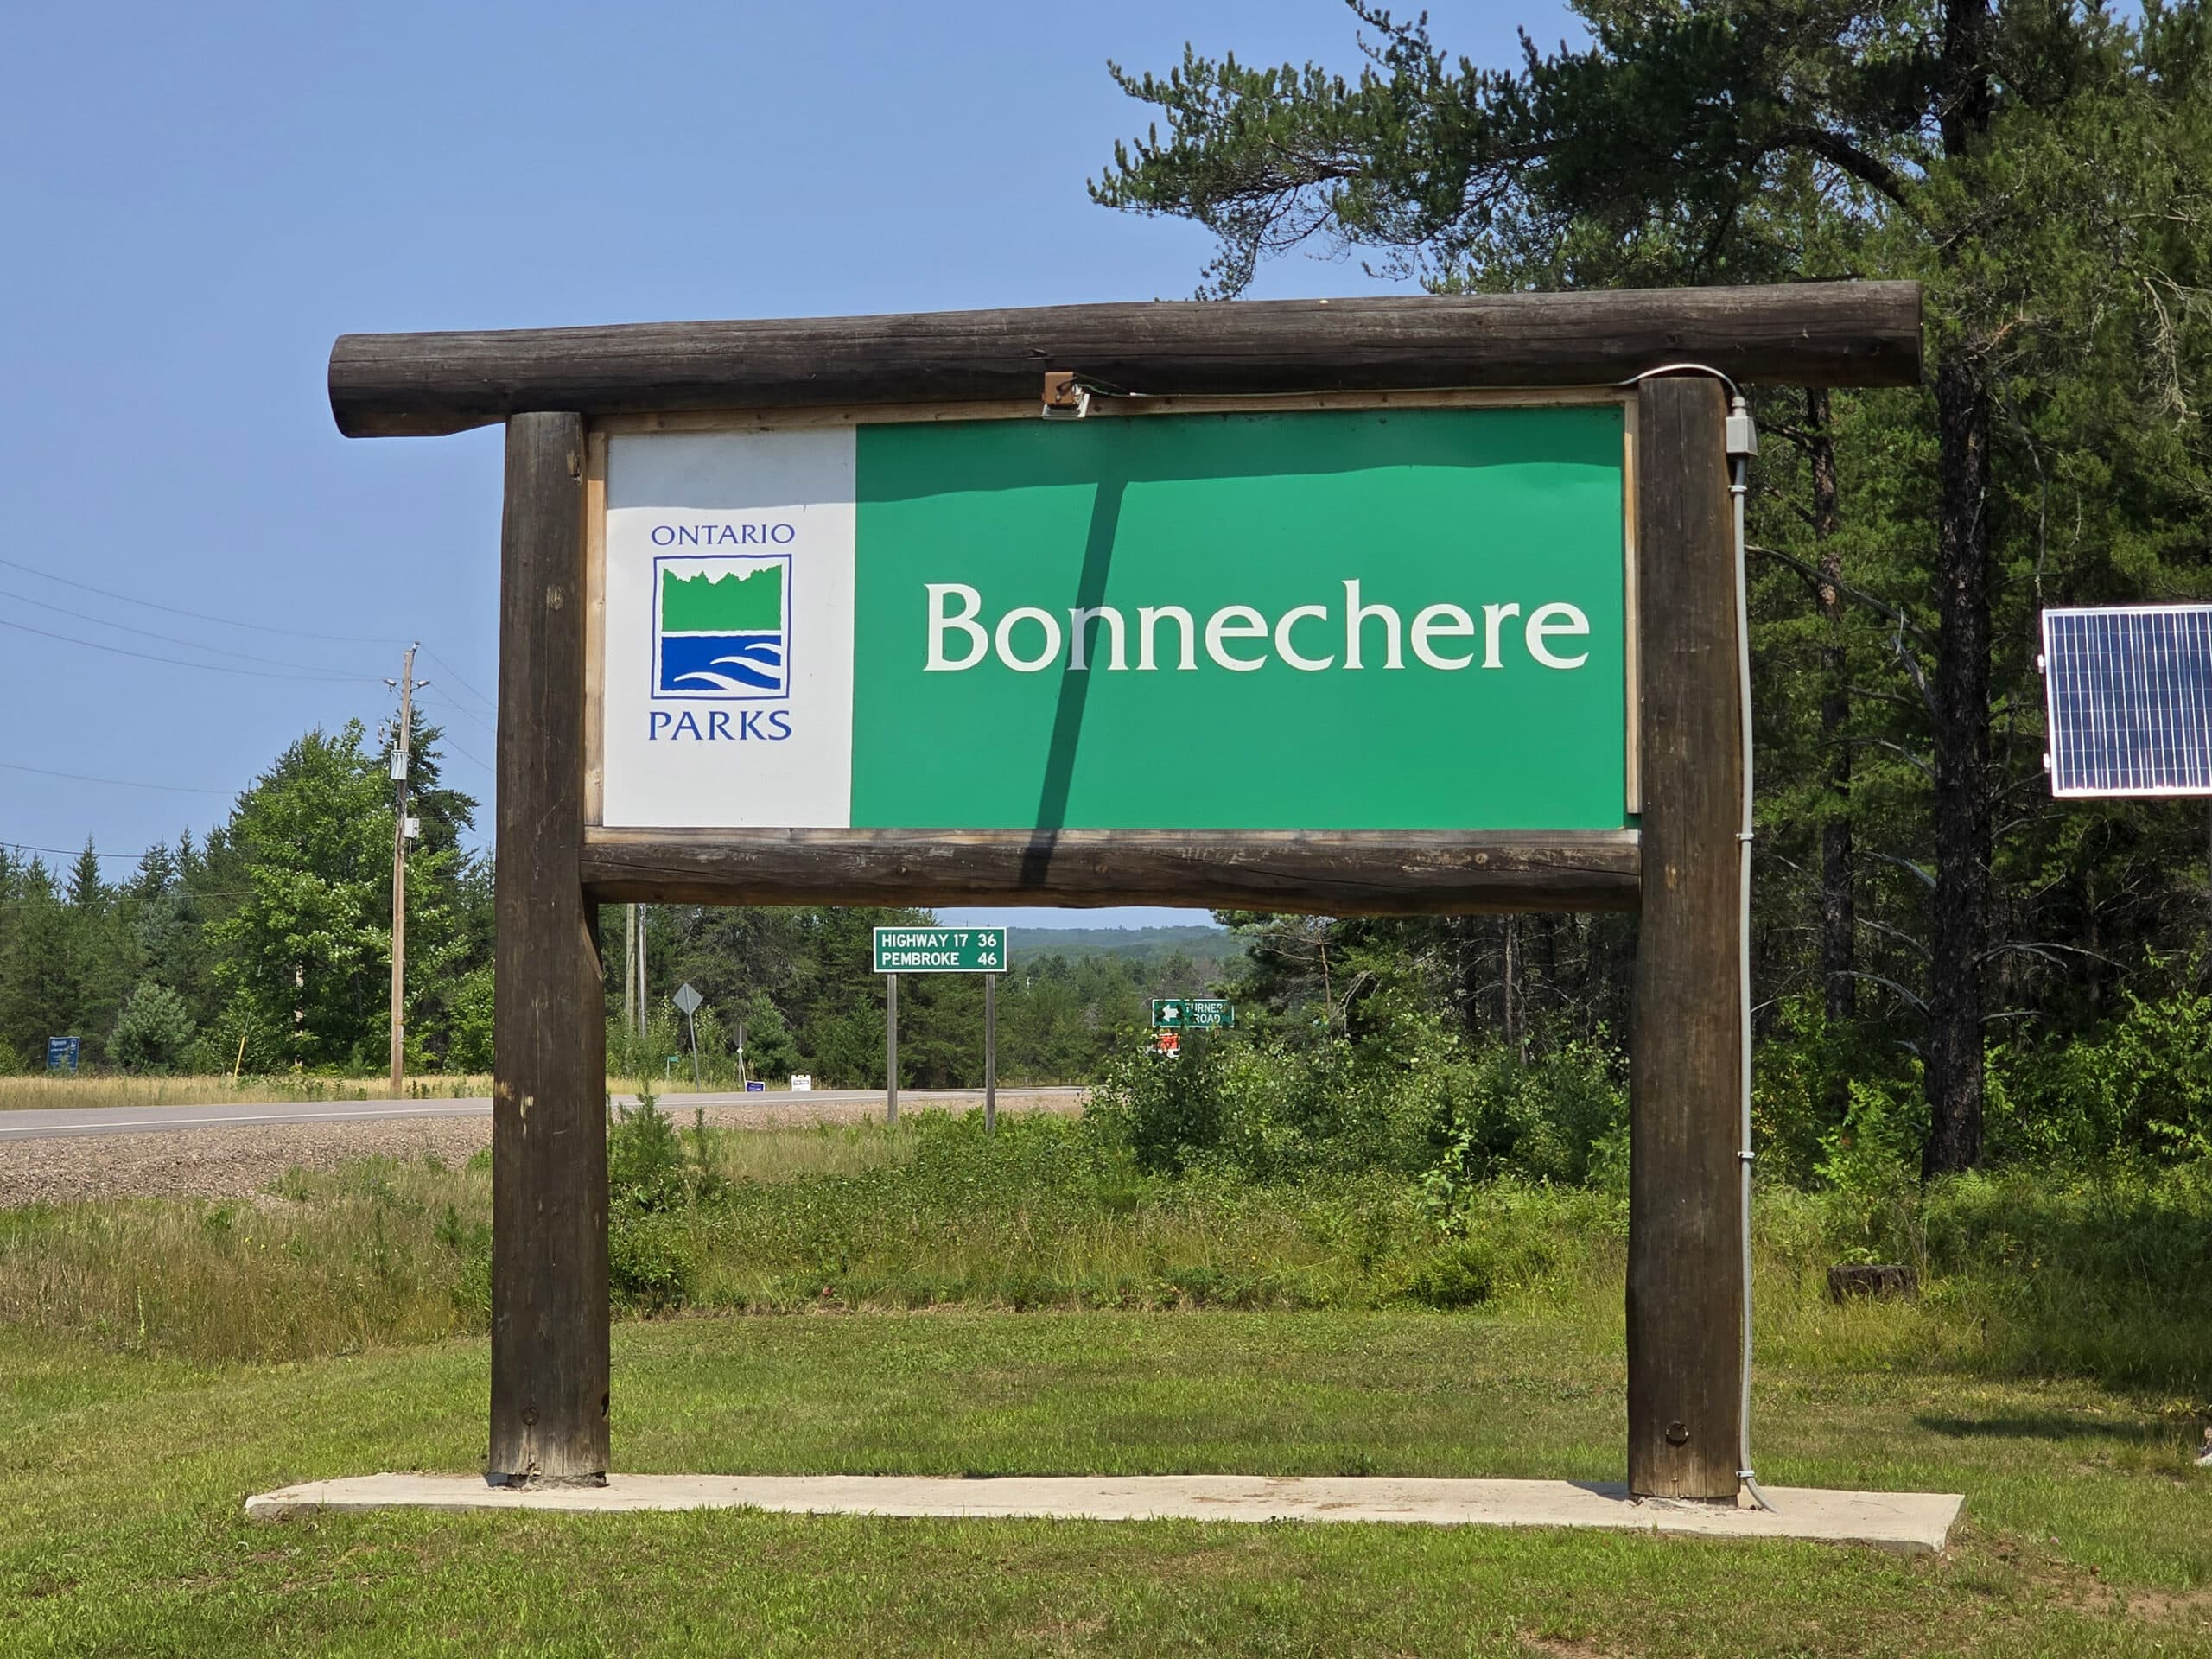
<point x="1366" y="873"/>
<point x="1811" y="334"/>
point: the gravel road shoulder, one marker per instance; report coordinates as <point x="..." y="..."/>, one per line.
<point x="238" y="1162"/>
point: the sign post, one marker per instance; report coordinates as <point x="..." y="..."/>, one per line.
<point x="942" y="950"/>
<point x="773" y="630"/>
<point x="890" y="1048"/>
<point x="687" y="1000"/>
<point x="990" y="1053"/>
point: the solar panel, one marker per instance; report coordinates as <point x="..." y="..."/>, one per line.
<point x="2129" y="692"/>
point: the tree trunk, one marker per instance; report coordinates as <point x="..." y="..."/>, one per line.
<point x="1510" y="998"/>
<point x="1959" y="936"/>
<point x="1960" y="931"/>
<point x="1838" y="914"/>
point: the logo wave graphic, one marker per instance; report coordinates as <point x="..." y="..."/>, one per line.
<point x="755" y="664"/>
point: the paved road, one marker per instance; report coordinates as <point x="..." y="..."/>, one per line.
<point x="42" y="1125"/>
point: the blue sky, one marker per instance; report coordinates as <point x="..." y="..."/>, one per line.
<point x="198" y="200"/>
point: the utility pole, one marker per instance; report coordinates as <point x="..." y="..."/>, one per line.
<point x="630" y="970"/>
<point x="402" y="832"/>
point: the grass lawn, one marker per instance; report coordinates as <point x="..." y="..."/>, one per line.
<point x="2086" y="1530"/>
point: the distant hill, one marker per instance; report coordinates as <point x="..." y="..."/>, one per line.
<point x="1200" y="943"/>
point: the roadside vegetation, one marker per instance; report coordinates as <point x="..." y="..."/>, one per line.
<point x="1398" y="1255"/>
<point x="1244" y="1176"/>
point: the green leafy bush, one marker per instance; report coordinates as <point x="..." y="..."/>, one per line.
<point x="1560" y="1118"/>
<point x="1268" y="1111"/>
<point x="645" y="1166"/>
<point x="650" y="1265"/>
<point x="1461" y="1273"/>
<point x="153" y="1032"/>
<point x="2143" y="1089"/>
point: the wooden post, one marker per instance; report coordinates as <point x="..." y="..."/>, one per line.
<point x="549" y="1093"/>
<point x="399" y="763"/>
<point x="891" y="1047"/>
<point x="1684" y="1288"/>
<point x="990" y="1053"/>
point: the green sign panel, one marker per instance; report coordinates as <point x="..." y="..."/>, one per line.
<point x="1167" y="1014"/>
<point x="1377" y="619"/>
<point x="940" y="950"/>
<point x="1200" y="1012"/>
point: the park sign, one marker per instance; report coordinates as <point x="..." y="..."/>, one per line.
<point x="1395" y="605"/>
<point x="1388" y="619"/>
<point x="940" y="950"/>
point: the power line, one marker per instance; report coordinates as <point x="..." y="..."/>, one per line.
<point x="451" y="707"/>
<point x="64" y="852"/>
<point x="471" y="759"/>
<point x="126" y="783"/>
<point x="166" y="638"/>
<point x="198" y="616"/>
<point x="179" y="662"/>
<point x="452" y="674"/>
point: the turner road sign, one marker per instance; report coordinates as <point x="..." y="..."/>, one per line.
<point x="1192" y="1012"/>
<point x="940" y="950"/>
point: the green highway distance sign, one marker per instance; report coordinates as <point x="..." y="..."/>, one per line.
<point x="1201" y="1012"/>
<point x="940" y="950"/>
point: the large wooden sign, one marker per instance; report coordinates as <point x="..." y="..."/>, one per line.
<point x="1388" y="606"/>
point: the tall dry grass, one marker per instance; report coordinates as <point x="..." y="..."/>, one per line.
<point x="2023" y="1276"/>
<point x="371" y="1255"/>
<point x="64" y="1093"/>
<point x="70" y="1094"/>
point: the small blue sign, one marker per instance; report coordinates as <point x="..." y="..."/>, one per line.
<point x="62" y="1053"/>
<point x="756" y="1088"/>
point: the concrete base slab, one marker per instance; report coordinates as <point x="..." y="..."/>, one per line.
<point x="1910" y="1522"/>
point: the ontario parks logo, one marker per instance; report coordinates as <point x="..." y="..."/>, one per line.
<point x="721" y="626"/>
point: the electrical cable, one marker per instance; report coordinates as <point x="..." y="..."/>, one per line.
<point x="1743" y="444"/>
<point x="453" y="674"/>
<point x="179" y="662"/>
<point x="465" y="711"/>
<point x="63" y="852"/>
<point x="197" y="616"/>
<point x="166" y="638"/>
<point x="445" y="734"/>
<point x="126" y="783"/>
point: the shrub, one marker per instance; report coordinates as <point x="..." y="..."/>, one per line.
<point x="1463" y="1274"/>
<point x="152" y="1032"/>
<point x="1870" y="1165"/>
<point x="649" y="1260"/>
<point x="1561" y="1118"/>
<point x="645" y="1169"/>
<point x="1265" y="1110"/>
<point x="2144" y="1089"/>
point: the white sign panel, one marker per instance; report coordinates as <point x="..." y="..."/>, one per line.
<point x="728" y="691"/>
